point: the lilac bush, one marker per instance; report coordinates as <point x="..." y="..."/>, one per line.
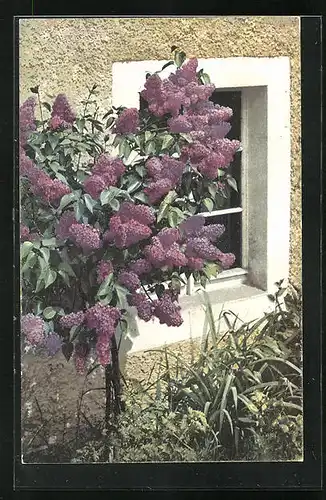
<point x="100" y="234"/>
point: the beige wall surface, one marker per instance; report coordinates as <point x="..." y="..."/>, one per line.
<point x="67" y="55"/>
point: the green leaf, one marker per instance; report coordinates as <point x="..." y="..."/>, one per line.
<point x="141" y="197"/>
<point x="235" y="397"/>
<point x="29" y="262"/>
<point x="136" y="184"/>
<point x="205" y="78"/>
<point x="114" y="204"/>
<point x="105" y="286"/>
<point x="64" y="276"/>
<point x="66" y="200"/>
<point x="148" y="135"/>
<point x="141" y="170"/>
<point x="169" y="198"/>
<point x="232" y="182"/>
<point x="248" y="403"/>
<point x="35" y="89"/>
<point x="150" y="148"/>
<point x="49" y="242"/>
<point x="50" y="277"/>
<point x="45" y="253"/>
<point x="80" y="124"/>
<point x="89" y="202"/>
<point x="175" y="216"/>
<point x="179" y="58"/>
<point x="127" y="150"/>
<point x="187" y="137"/>
<point x="53" y="140"/>
<point x="39" y="284"/>
<point x="212" y="189"/>
<point x="168" y="140"/>
<point x="79" y="210"/>
<point x="107" y="195"/>
<point x="74" y="331"/>
<point x="25" y="249"/>
<point x="43" y="265"/>
<point x="64" y="266"/>
<point x="55" y="166"/>
<point x="159" y="290"/>
<point x="169" y="63"/>
<point x="211" y="270"/>
<point x="228" y="416"/>
<point x="121" y="295"/>
<point x="65" y="142"/>
<point x="209" y="204"/>
<point x="109" y="122"/>
<point x="49" y="313"/>
<point x="67" y="350"/>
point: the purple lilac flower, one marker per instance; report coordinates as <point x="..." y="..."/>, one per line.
<point x="130" y="280"/>
<point x="33" y="328"/>
<point x="128" y="122"/>
<point x="72" y="319"/>
<point x="52" y="343"/>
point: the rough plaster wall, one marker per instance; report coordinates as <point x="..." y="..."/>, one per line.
<point x="66" y="55"/>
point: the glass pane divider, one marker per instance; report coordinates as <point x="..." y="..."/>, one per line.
<point x="225" y="211"/>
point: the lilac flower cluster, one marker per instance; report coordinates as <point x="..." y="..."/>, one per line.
<point x="128" y="122"/>
<point x="27" y="168"/>
<point x="195" y="226"/>
<point x="166" y="173"/>
<point x="26" y="235"/>
<point x="52" y="343"/>
<point x="164" y="250"/>
<point x="101" y="317"/>
<point x="64" y="225"/>
<point x="72" y="319"/>
<point x="207" y="125"/>
<point x="103" y="320"/>
<point x="140" y="213"/>
<point x="181" y="89"/>
<point x="80" y="357"/>
<point x="182" y="95"/>
<point x="129" y="225"/>
<point x="198" y="241"/>
<point x="145" y="307"/>
<point x="26" y="120"/>
<point x="85" y="236"/>
<point x="105" y="172"/>
<point x="140" y="267"/>
<point x="130" y="280"/>
<point x="167" y="310"/>
<point x="49" y="190"/>
<point x="33" y="328"/>
<point x="62" y="115"/>
<point x="103" y="269"/>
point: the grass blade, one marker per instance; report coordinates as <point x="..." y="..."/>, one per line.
<point x="228" y="382"/>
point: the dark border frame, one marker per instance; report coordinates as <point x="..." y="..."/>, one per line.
<point x="208" y="476"/>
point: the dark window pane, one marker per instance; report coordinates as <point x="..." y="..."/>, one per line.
<point x="232" y="99"/>
<point x="231" y="239"/>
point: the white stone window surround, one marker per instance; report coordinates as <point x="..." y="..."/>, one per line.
<point x="266" y="163"/>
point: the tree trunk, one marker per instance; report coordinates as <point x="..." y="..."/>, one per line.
<point x="113" y="403"/>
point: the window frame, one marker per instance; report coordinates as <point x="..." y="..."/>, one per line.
<point x="266" y="177"/>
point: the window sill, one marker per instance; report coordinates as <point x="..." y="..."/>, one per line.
<point x="248" y="302"/>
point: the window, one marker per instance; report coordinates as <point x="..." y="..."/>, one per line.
<point x="258" y="220"/>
